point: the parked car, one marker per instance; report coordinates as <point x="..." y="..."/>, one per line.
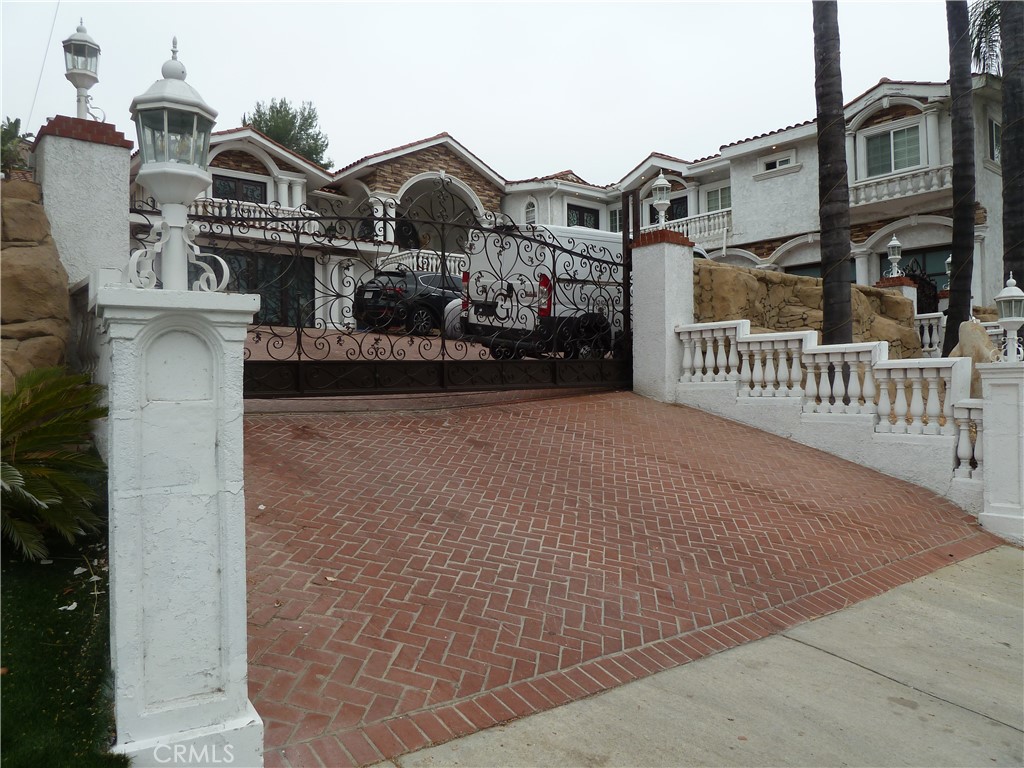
<point x="415" y="301"/>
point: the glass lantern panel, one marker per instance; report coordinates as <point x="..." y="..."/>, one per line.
<point x="203" y="129"/>
<point x="152" y="136"/>
<point x="181" y="138"/>
<point x="80" y="56"/>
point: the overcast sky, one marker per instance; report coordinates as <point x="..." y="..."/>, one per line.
<point x="530" y="88"/>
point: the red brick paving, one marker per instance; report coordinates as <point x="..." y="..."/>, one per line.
<point x="414" y="577"/>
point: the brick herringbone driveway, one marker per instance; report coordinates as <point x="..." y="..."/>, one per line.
<point x="417" y="576"/>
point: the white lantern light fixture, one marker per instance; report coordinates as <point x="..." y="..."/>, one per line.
<point x="81" y="63"/>
<point x="173" y="124"/>
<point x="895" y="252"/>
<point x="660" y="191"/>
<point x="1010" y="305"/>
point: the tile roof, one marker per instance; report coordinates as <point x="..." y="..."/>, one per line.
<point x="266" y="138"/>
<point x="382" y="153"/>
<point x="566" y="175"/>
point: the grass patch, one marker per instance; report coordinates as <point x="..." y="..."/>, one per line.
<point x="56" y="709"/>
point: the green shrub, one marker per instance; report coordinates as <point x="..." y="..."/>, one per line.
<point x="50" y="473"/>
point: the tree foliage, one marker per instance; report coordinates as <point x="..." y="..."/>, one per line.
<point x="833" y="186"/>
<point x="48" y="470"/>
<point x="10" y="144"/>
<point x="985" y="35"/>
<point x="297" y="129"/>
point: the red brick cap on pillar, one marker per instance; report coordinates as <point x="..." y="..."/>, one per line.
<point x="656" y="236"/>
<point x="895" y="282"/>
<point x="83" y="130"/>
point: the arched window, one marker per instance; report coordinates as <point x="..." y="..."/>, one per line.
<point x="530" y="216"/>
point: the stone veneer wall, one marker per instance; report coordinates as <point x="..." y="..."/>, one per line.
<point x="34" y="306"/>
<point x="774" y="301"/>
<point x="390" y="176"/>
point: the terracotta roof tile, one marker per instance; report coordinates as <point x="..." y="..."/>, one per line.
<point x="410" y="145"/>
<point x="566" y="175"/>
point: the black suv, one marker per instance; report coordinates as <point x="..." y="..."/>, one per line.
<point x="413" y="300"/>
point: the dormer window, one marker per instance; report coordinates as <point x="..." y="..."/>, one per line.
<point x="245" y="190"/>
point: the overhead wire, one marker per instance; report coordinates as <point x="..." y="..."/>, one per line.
<point x="42" y="67"/>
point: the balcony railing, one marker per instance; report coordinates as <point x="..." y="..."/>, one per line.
<point x="901" y="185"/>
<point x="701" y="228"/>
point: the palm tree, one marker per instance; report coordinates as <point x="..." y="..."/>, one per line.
<point x="997" y="31"/>
<point x="833" y="188"/>
<point x="1011" y="25"/>
<point x="962" y="129"/>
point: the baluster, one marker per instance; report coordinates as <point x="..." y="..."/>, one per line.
<point x="698" y="358"/>
<point x="720" y="359"/>
<point x="931" y="410"/>
<point x="824" y="387"/>
<point x="783" y="373"/>
<point x="884" y="423"/>
<point x="869" y="387"/>
<point x="810" y="391"/>
<point x="795" y="372"/>
<point x="839" y="386"/>
<point x="964" y="450"/>
<point x="745" y="372"/>
<point x="900" y="406"/>
<point x="769" y="371"/>
<point x="734" y="359"/>
<point x="976" y="417"/>
<point x="947" y="427"/>
<point x="687" y="358"/>
<point x="853" y="388"/>
<point x="758" y="376"/>
<point x="916" y="402"/>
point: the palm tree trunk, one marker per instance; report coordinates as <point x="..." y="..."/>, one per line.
<point x="962" y="129"/>
<point x="833" y="187"/>
<point x="1012" y="153"/>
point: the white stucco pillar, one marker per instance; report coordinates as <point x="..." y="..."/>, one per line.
<point x="82" y="171"/>
<point x="851" y="166"/>
<point x="931" y="130"/>
<point x="1002" y="386"/>
<point x="177" y="525"/>
<point x="662" y="299"/>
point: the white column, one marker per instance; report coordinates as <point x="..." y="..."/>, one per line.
<point x="298" y="197"/>
<point x="662" y="299"/>
<point x="851" y="157"/>
<point x="177" y="525"/>
<point x="1002" y="386"/>
<point x="862" y="265"/>
<point x="282" y="190"/>
<point x="931" y="129"/>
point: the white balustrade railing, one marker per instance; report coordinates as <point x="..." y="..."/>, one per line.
<point x="902" y="185"/>
<point x="771" y="364"/>
<point x="840" y="377"/>
<point x="967" y="416"/>
<point x="700" y="228"/>
<point x="710" y="352"/>
<point x="932" y="329"/>
<point x="916" y="397"/>
<point x="258" y="216"/>
<point x="424" y="261"/>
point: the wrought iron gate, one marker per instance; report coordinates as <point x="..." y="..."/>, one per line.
<point x="419" y="295"/>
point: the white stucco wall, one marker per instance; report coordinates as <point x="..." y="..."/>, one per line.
<point x="85" y="184"/>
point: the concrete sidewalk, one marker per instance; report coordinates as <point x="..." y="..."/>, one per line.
<point x="929" y="674"/>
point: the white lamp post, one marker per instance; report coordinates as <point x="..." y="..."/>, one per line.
<point x="660" y="191"/>
<point x="1010" y="305"/>
<point x="81" y="62"/>
<point x="895" y="252"/>
<point x="173" y="124"/>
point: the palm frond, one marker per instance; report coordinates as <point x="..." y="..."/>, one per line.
<point x="985" y="36"/>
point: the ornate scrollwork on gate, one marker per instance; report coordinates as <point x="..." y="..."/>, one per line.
<point x="428" y="290"/>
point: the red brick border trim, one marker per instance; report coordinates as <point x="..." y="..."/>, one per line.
<point x="661" y="236"/>
<point x="82" y="130"/>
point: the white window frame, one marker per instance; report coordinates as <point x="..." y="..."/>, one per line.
<point x="718" y="193"/>
<point x="992" y="159"/>
<point x="897" y="125"/>
<point x="615" y="219"/>
<point x="781" y="163"/>
<point x="526" y="212"/>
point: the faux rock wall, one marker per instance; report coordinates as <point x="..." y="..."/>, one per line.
<point x="34" y="307"/>
<point x="774" y="301"/>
